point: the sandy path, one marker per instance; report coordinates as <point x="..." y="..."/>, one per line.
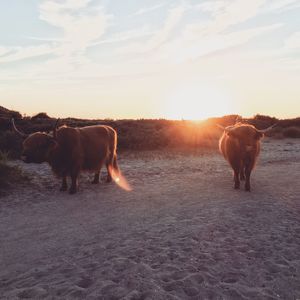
<point x="182" y="233"/>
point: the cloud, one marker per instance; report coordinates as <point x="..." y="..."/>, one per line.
<point x="143" y="11"/>
<point x="161" y="36"/>
<point x="142" y="50"/>
<point x="4" y="51"/>
<point x="293" y="42"/>
<point x="81" y="23"/>
<point x="226" y="13"/>
<point x="126" y="36"/>
<point x="187" y="48"/>
<point x="281" y="5"/>
<point x="200" y="38"/>
<point x="11" y="54"/>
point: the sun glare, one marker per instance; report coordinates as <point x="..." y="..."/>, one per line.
<point x="196" y="102"/>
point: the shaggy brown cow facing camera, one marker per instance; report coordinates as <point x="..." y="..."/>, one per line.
<point x="240" y="145"/>
<point x="71" y="150"/>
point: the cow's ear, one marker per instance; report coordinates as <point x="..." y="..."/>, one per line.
<point x="259" y="135"/>
<point x="52" y="142"/>
<point x="232" y="133"/>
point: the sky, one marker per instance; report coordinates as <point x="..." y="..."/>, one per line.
<point x="175" y="59"/>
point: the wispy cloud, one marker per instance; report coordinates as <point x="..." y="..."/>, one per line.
<point x="4" y="51"/>
<point x="199" y="38"/>
<point x="161" y="36"/>
<point x="84" y="24"/>
<point x="81" y="23"/>
<point x="282" y="5"/>
<point x="11" y="54"/>
<point x="187" y="48"/>
<point x="146" y="10"/>
<point x="226" y="13"/>
<point x="293" y="42"/>
<point x="126" y="36"/>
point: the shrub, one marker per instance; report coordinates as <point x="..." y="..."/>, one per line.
<point x="41" y="115"/>
<point x="292" y="132"/>
<point x="6" y="113"/>
<point x="10" y="143"/>
<point x="9" y="175"/>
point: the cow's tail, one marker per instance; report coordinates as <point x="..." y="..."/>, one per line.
<point x="114" y="153"/>
<point x="112" y="158"/>
<point x="115" y="164"/>
<point x="114" y="169"/>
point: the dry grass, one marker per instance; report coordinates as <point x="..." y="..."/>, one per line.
<point x="148" y="135"/>
<point x="292" y="132"/>
<point x="10" y="175"/>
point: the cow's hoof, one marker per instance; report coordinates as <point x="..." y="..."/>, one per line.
<point x="72" y="191"/>
<point x="236" y="186"/>
<point x="247" y="187"/>
<point x="63" y="188"/>
<point x="95" y="182"/>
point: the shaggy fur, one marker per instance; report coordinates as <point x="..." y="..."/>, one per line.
<point x="73" y="150"/>
<point x="240" y="146"/>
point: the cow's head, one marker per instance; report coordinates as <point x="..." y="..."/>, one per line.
<point x="247" y="134"/>
<point x="36" y="146"/>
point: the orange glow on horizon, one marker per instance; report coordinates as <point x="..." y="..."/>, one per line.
<point x="197" y="102"/>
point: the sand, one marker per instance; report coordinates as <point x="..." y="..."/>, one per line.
<point x="182" y="233"/>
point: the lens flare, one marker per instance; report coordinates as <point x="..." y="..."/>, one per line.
<point x="120" y="179"/>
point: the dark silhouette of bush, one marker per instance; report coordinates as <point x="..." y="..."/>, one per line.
<point x="292" y="132"/>
<point x="10" y="143"/>
<point x="10" y="175"/>
<point x="41" y="115"/>
<point x="8" y="114"/>
<point x="145" y="134"/>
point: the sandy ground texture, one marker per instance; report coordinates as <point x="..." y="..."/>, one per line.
<point x="182" y="233"/>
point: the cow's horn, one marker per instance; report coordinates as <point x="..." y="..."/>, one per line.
<point x="267" y="129"/>
<point x="238" y="119"/>
<point x="16" y="130"/>
<point x="55" y="129"/>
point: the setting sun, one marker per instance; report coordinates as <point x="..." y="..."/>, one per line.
<point x="194" y="101"/>
<point x="150" y="59"/>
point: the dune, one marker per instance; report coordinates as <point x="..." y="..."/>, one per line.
<point x="183" y="232"/>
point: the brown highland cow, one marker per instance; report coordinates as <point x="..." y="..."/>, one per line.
<point x="71" y="150"/>
<point x="240" y="145"/>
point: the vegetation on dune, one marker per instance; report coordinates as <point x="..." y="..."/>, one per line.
<point x="291" y="132"/>
<point x="9" y="175"/>
<point x="145" y="134"/>
<point x="41" y="115"/>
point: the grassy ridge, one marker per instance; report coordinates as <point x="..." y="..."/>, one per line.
<point x="145" y="134"/>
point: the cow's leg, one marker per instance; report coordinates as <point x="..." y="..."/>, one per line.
<point x="64" y="185"/>
<point x="74" y="184"/>
<point x="242" y="172"/>
<point x="249" y="165"/>
<point x="248" y="173"/>
<point x="236" y="166"/>
<point x="96" y="178"/>
<point x="236" y="178"/>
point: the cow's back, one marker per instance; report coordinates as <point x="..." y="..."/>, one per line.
<point x="85" y="148"/>
<point x="96" y="145"/>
